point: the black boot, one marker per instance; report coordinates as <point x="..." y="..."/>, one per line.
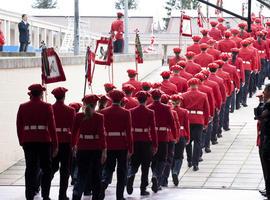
<point x="130" y="181"/>
<point x="175" y="179"/>
<point x="144" y="192"/>
<point x="154" y="185"/>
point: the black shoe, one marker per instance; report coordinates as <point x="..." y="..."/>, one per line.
<point x="231" y="111"/>
<point x="200" y="159"/>
<point x="189" y="164"/>
<point x="64" y="197"/>
<point x="159" y="188"/>
<point x="154" y="185"/>
<point x="175" y="179"/>
<point x="195" y="168"/>
<point x="226" y="129"/>
<point x="214" y="142"/>
<point x="47" y="198"/>
<point x="122" y="198"/>
<point x="130" y="184"/>
<point x="245" y="105"/>
<point x="207" y="150"/>
<point x="219" y="135"/>
<point x="237" y="108"/>
<point x="262" y="191"/>
<point x="102" y="190"/>
<point x="144" y="193"/>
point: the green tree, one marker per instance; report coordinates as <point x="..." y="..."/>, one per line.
<point x="120" y="4"/>
<point x="44" y="4"/>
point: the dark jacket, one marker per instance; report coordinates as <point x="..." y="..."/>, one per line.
<point x="24" y="32"/>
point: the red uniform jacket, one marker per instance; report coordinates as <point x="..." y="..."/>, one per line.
<point x="195" y="48"/>
<point x="215" y="34"/>
<point x="222" y="28"/>
<point x="210" y="96"/>
<point x="204" y="39"/>
<point x="174" y="60"/>
<point x="89" y="134"/>
<point x="184" y="122"/>
<point x="243" y="34"/>
<point x="237" y="40"/>
<point x="144" y="125"/>
<point x="134" y="83"/>
<point x="164" y="120"/>
<point x="35" y="122"/>
<point x="117" y="121"/>
<point x="227" y="81"/>
<point x="132" y="103"/>
<point x="226" y="45"/>
<point x="185" y="74"/>
<point x="168" y="88"/>
<point x="233" y="74"/>
<point x="239" y="67"/>
<point x="117" y="29"/>
<point x="257" y="66"/>
<point x="263" y="49"/>
<point x="197" y="104"/>
<point x="249" y="60"/>
<point x="64" y="119"/>
<point x="181" y="83"/>
<point x="2" y="38"/>
<point x="214" y="52"/>
<point x="214" y="77"/>
<point x="192" y="67"/>
<point x="203" y="59"/>
<point x="174" y="137"/>
<point x="216" y="91"/>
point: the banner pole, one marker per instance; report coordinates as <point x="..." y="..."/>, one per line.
<point x="112" y="73"/>
<point x="86" y="71"/>
<point x="136" y="64"/>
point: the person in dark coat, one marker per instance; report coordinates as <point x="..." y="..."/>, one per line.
<point x="24" y="33"/>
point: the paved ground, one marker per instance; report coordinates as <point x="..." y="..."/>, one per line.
<point x="233" y="166"/>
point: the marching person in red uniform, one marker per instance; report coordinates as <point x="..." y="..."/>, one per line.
<point x="182" y="139"/>
<point x="220" y="26"/>
<point x="129" y="90"/>
<point x="205" y="37"/>
<point x="146" y="86"/>
<point x="117" y="122"/>
<point x="164" y="124"/>
<point x="117" y="31"/>
<point x="175" y="78"/>
<point x="132" y="81"/>
<point x="2" y="38"/>
<point x="109" y="87"/>
<point x="212" y="50"/>
<point x="203" y="59"/>
<point x="235" y="37"/>
<point x="195" y="47"/>
<point x="243" y="33"/>
<point x="192" y="67"/>
<point x="64" y="118"/>
<point x="89" y="143"/>
<point x="225" y="45"/>
<point x="166" y="86"/>
<point x="37" y="135"/>
<point x="102" y="102"/>
<point x="183" y="72"/>
<point x="198" y="107"/>
<point x="176" y="58"/>
<point x="214" y="32"/>
<point x="145" y="142"/>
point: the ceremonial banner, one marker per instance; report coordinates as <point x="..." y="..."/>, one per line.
<point x="138" y="49"/>
<point x="52" y="70"/>
<point x="104" y="52"/>
<point x="185" y="26"/>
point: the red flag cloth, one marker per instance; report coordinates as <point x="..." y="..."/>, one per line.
<point x="104" y="52"/>
<point x="185" y="26"/>
<point x="138" y="49"/>
<point x="52" y="69"/>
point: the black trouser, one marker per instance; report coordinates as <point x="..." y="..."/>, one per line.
<point x="195" y="137"/>
<point x="266" y="161"/>
<point x="215" y="127"/>
<point x="62" y="158"/>
<point x="169" y="162"/>
<point x="23" y="46"/>
<point x="226" y="115"/>
<point x="262" y="73"/>
<point x="233" y="99"/>
<point x="118" y="46"/>
<point x="37" y="156"/>
<point x="246" y="86"/>
<point x="1" y="48"/>
<point x="89" y="165"/>
<point x="252" y="84"/>
<point x="221" y="117"/>
<point x="159" y="161"/>
<point x="239" y="97"/>
<point x="113" y="157"/>
<point x="264" y="167"/>
<point x="142" y="156"/>
<point x="208" y="135"/>
<point x="178" y="155"/>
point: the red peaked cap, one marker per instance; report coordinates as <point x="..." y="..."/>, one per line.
<point x="120" y="14"/>
<point x="258" y="20"/>
<point x="224" y="56"/>
<point x="196" y="38"/>
<point x="116" y="95"/>
<point x="213" y="23"/>
<point x="182" y="63"/>
<point x="142" y="95"/>
<point x="176" y="97"/>
<point x="103" y="98"/>
<point x="200" y="76"/>
<point x="36" y="87"/>
<point x="176" y="68"/>
<point x="204" y="31"/>
<point x="166" y="74"/>
<point x="242" y="25"/>
<point x="211" y="41"/>
<point x="156" y="85"/>
<point x="268" y="23"/>
<point x="221" y="19"/>
<point x="90" y="99"/>
<point x="234" y="31"/>
<point x="109" y="86"/>
<point x="219" y="62"/>
<point x="190" y="54"/>
<point x="212" y="66"/>
<point x="59" y="92"/>
<point x="176" y="50"/>
<point x="193" y="81"/>
<point x="259" y="33"/>
<point x="131" y="72"/>
<point x="76" y="106"/>
<point x="156" y="93"/>
<point x="245" y="42"/>
<point x="235" y="50"/>
<point x="165" y="98"/>
<point x="146" y="84"/>
<point x="227" y="34"/>
<point x="128" y="88"/>
<point x="203" y="46"/>
<point x="205" y="72"/>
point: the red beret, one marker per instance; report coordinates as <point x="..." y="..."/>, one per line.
<point x="203" y="46"/>
<point x="212" y="66"/>
<point x="131" y="72"/>
<point x="259" y="33"/>
<point x="211" y="41"/>
<point x="59" y="92"/>
<point x="234" y="31"/>
<point x="109" y="86"/>
<point x="176" y="97"/>
<point x="124" y="100"/>
<point x="190" y="54"/>
<point x="213" y="23"/>
<point x="196" y="38"/>
<point x="76" y="106"/>
<point x="250" y="40"/>
<point x="219" y="62"/>
<point x="120" y="14"/>
<point x="204" y="31"/>
<point x="166" y="74"/>
<point x="265" y="32"/>
<point x="146" y="85"/>
<point x="193" y="81"/>
<point x="245" y="42"/>
<point x="156" y="93"/>
<point x="242" y="25"/>
<point x="128" y="88"/>
<point x="224" y="56"/>
<point x="268" y="23"/>
<point x="182" y="63"/>
<point x="165" y="98"/>
<point x="227" y="34"/>
<point x="116" y="95"/>
<point x="103" y="98"/>
<point x="176" y="68"/>
<point x="221" y="19"/>
<point x="235" y="50"/>
<point x="36" y="87"/>
<point x="156" y="85"/>
<point x="90" y="99"/>
<point x="200" y="76"/>
<point x="176" y="50"/>
<point x="205" y="72"/>
<point x="142" y="95"/>
<point x="258" y="20"/>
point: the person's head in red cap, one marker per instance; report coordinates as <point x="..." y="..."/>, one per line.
<point x="196" y="38"/>
<point x="220" y="63"/>
<point x="242" y="25"/>
<point x="102" y="102"/>
<point x="109" y="87"/>
<point x="203" y="47"/>
<point x="221" y="19"/>
<point x="190" y="55"/>
<point x="245" y="43"/>
<point x="36" y="91"/>
<point x="124" y="102"/>
<point x="200" y="76"/>
<point x="146" y="86"/>
<point x="132" y="73"/>
<point x="165" y="75"/>
<point x="156" y="94"/>
<point x="76" y="106"/>
<point x="258" y="21"/>
<point x="116" y="96"/>
<point x="119" y="15"/>
<point x="59" y="93"/>
<point x="193" y="83"/>
<point x="224" y="56"/>
<point x="128" y="89"/>
<point x="142" y="97"/>
<point x="213" y="23"/>
<point x="165" y="99"/>
<point x="268" y="24"/>
<point x="234" y="32"/>
<point x="182" y="64"/>
<point x="213" y="67"/>
<point x="89" y="103"/>
<point x="177" y="51"/>
<point x="176" y="69"/>
<point x="204" y="32"/>
<point x="260" y="36"/>
<point x="176" y="100"/>
<point x="211" y="43"/>
<point x="156" y="85"/>
<point x="235" y="52"/>
<point x="227" y="34"/>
